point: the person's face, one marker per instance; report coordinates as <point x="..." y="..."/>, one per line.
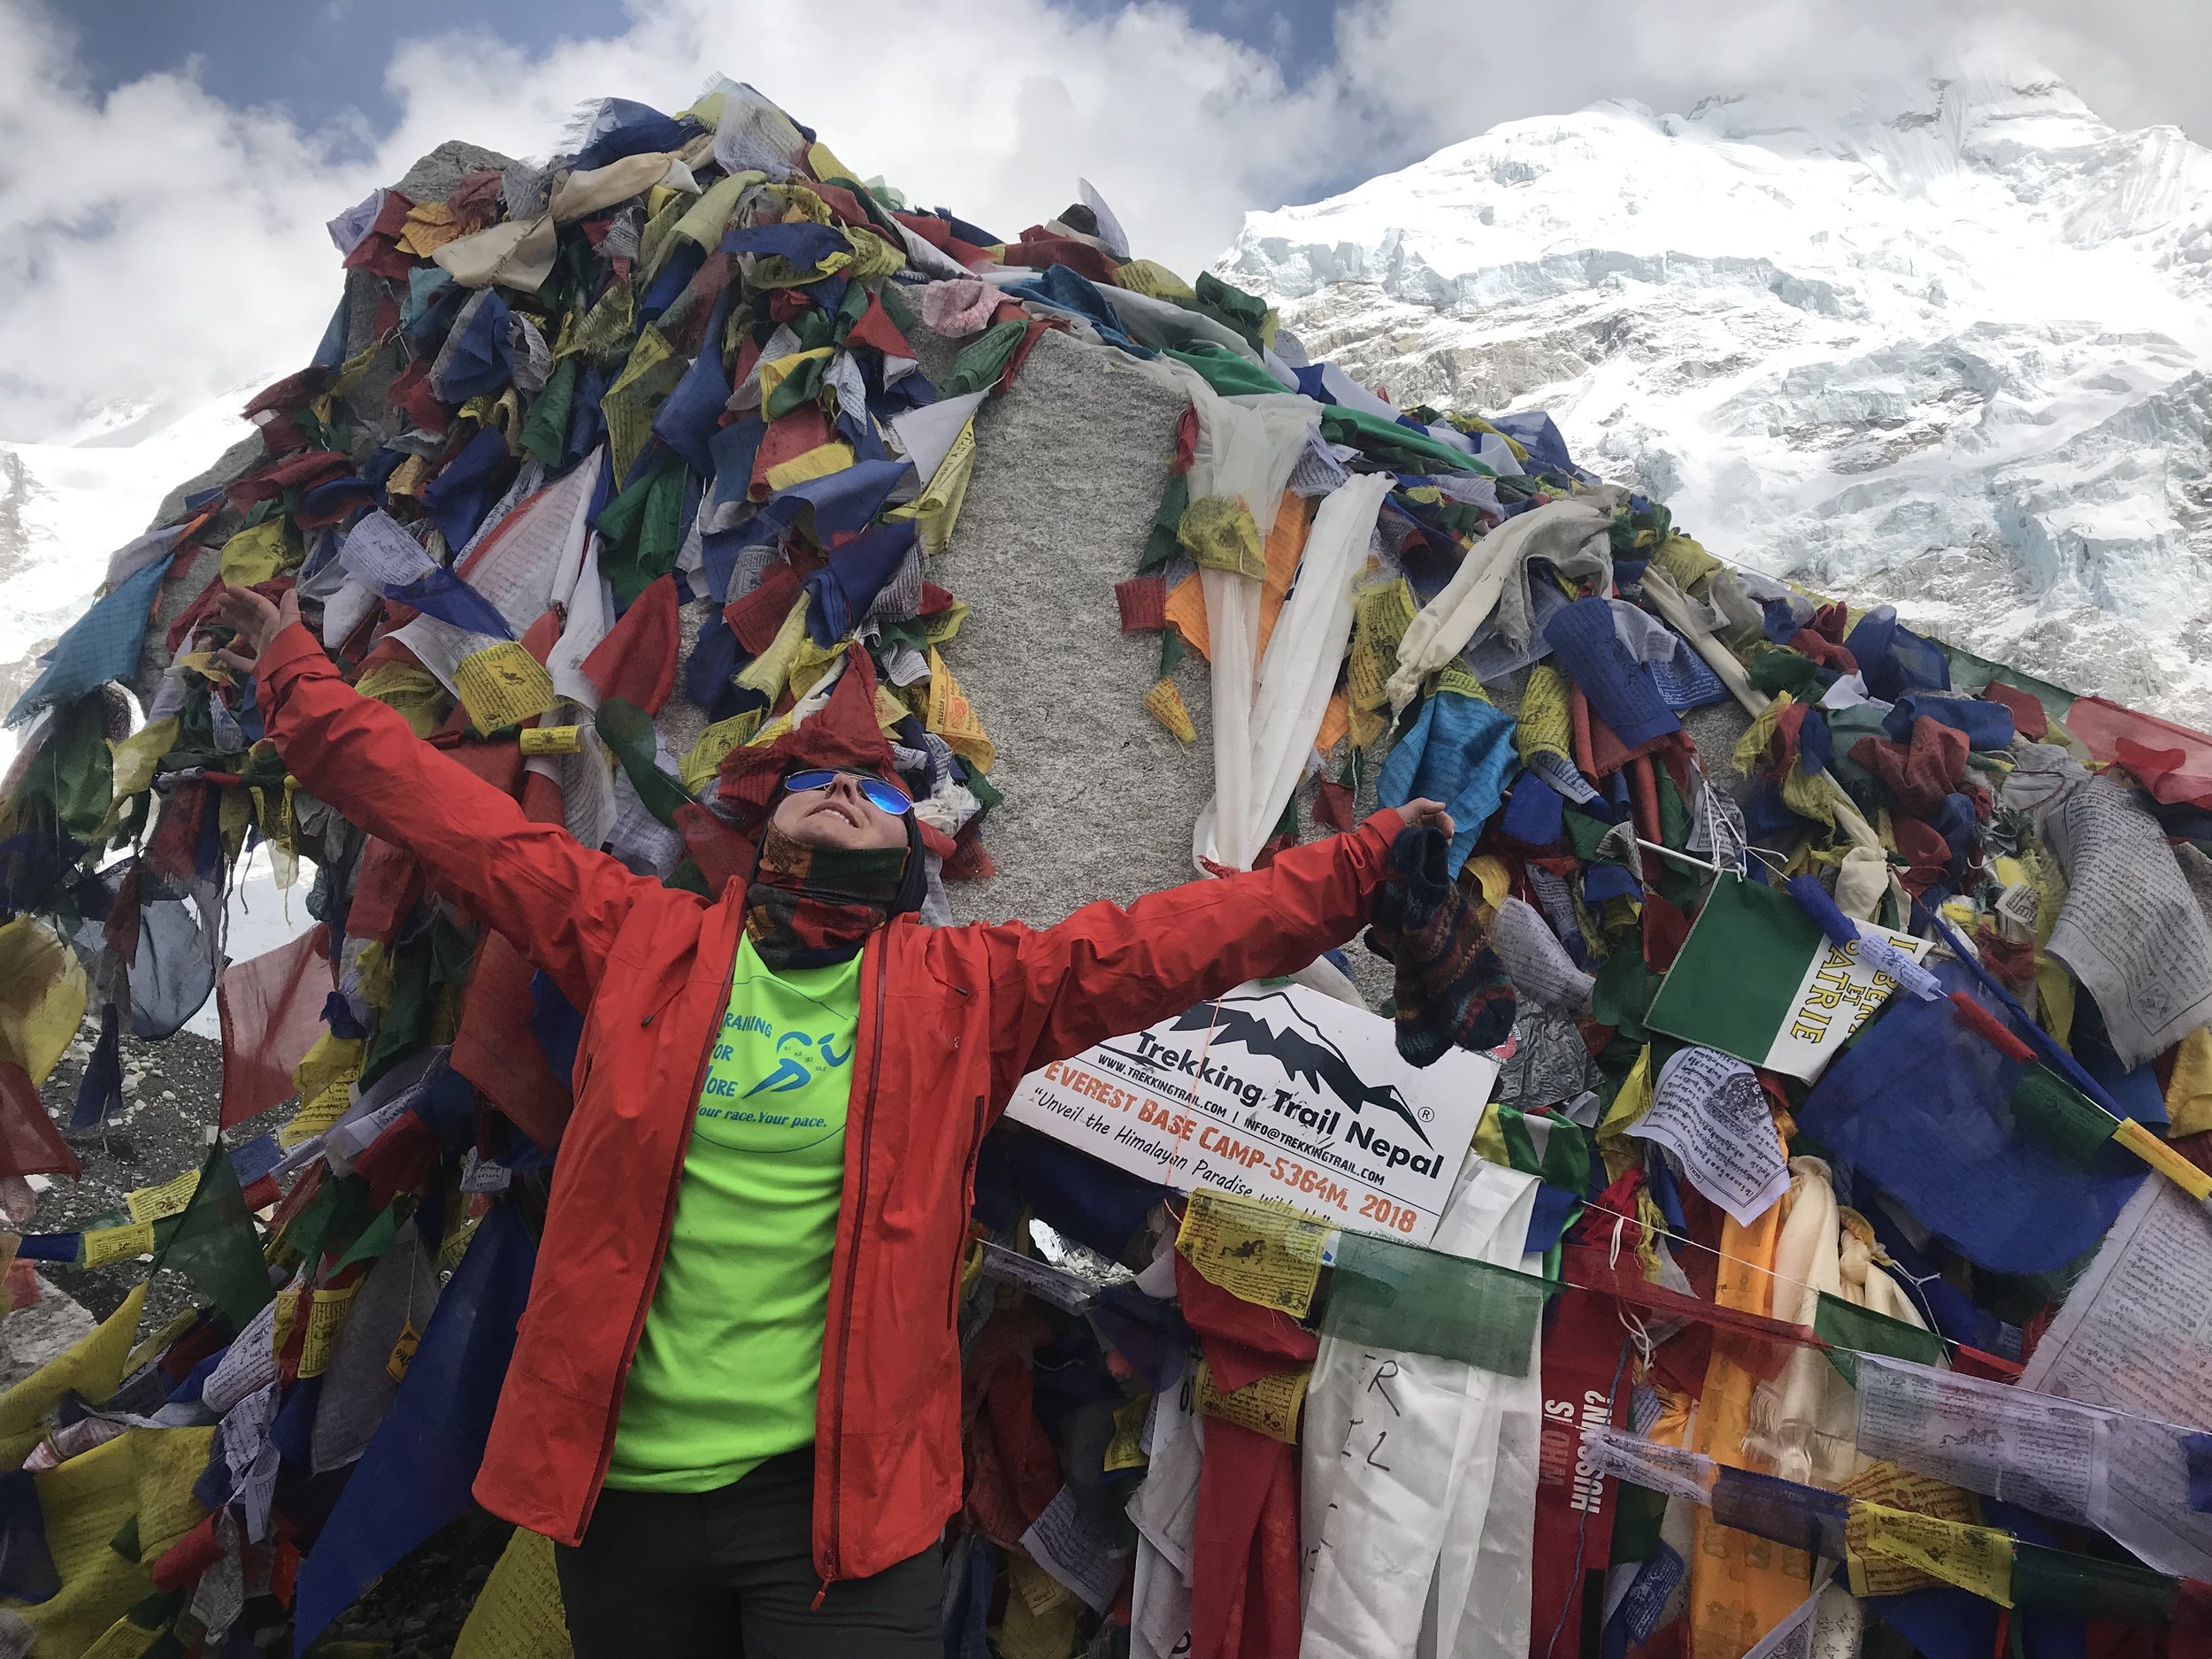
<point x="839" y="816"/>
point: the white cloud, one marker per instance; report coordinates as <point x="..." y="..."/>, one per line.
<point x="151" y="240"/>
<point x="157" y="240"/>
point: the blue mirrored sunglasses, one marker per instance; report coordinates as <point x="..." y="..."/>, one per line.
<point x="881" y="795"/>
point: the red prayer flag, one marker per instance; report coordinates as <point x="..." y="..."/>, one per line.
<point x="29" y="1143"/>
<point x="271" y="1012"/>
<point x="637" y="661"/>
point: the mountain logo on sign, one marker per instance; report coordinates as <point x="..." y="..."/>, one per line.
<point x="1307" y="1055"/>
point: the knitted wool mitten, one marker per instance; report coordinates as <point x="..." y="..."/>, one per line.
<point x="1451" y="988"/>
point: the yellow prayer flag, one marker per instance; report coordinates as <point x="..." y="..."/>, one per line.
<point x="772" y="375"/>
<point x="1164" y="704"/>
<point x="137" y="757"/>
<point x="43" y="993"/>
<point x="255" y="554"/>
<point x="704" y="760"/>
<point x="1259" y="1251"/>
<point x="324" y="1077"/>
<point x="1685" y="560"/>
<point x="412" y="692"/>
<point x="1494" y="879"/>
<point x="1220" y="531"/>
<point x="818" y="462"/>
<point x="86" y="1502"/>
<point x="1975" y="1558"/>
<point x="1125" y="1450"/>
<point x="1146" y="276"/>
<point x="1269" y="1405"/>
<point x="518" y="1613"/>
<point x="503" y="685"/>
<point x="326" y="1311"/>
<point x="91" y="1366"/>
<point x="104" y="1245"/>
<point x="1633" y="1100"/>
<point x="166" y="1198"/>
<point x="953" y="719"/>
<point x="2189" y="1096"/>
<point x="937" y="509"/>
<point x="822" y="162"/>
<point x="1025" y="1633"/>
<point x="550" y="739"/>
<point x="768" y="672"/>
<point x="168" y="1462"/>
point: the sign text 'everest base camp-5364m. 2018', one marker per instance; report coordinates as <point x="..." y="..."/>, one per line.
<point x="1274" y="1092"/>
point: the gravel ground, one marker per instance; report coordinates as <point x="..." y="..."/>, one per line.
<point x="170" y="1092"/>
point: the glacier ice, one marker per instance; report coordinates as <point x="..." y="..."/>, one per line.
<point x="1945" y="345"/>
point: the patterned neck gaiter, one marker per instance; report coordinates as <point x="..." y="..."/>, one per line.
<point x="808" y="906"/>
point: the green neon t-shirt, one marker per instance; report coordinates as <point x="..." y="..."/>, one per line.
<point x="727" y="1368"/>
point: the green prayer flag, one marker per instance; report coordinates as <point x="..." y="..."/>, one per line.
<point x="2053" y="1111"/>
<point x="1228" y="374"/>
<point x="1388" y="1295"/>
<point x="2054" y="1581"/>
<point x="627" y="730"/>
<point x="639" y="529"/>
<point x="1386" y="441"/>
<point x="545" y="429"/>
<point x="1758" y="979"/>
<point x="72" y="772"/>
<point x="1854" y="1330"/>
<point x="979" y="367"/>
<point x="1161" y="543"/>
<point x="215" y="1245"/>
<point x="375" y="1238"/>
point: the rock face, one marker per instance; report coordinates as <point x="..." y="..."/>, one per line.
<point x="1947" y="347"/>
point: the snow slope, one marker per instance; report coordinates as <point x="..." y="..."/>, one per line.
<point x="1949" y="346"/>
<point x="65" y="504"/>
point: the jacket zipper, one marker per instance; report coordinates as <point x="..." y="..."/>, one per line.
<point x="967" y="1209"/>
<point x="852" y="1276"/>
<point x="660" y="1250"/>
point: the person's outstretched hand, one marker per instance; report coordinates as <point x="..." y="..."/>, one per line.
<point x="1422" y="814"/>
<point x="256" y="621"/>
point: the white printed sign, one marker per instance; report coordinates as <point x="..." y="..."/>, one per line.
<point x="1277" y="1092"/>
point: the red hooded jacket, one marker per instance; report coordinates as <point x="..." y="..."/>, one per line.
<point x="951" y="1019"/>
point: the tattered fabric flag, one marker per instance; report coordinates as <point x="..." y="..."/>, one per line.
<point x="178" y="955"/>
<point x="272" y="1011"/>
<point x="416" y="1474"/>
<point x="29" y="1143"/>
<point x="100" y="1092"/>
<point x="1756" y="978"/>
<point x="101" y="645"/>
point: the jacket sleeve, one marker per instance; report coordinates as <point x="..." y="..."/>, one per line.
<point x="558" y="902"/>
<point x="1109" y="970"/>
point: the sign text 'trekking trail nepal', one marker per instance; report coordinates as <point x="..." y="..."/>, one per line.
<point x="1745" y="1190"/>
<point x="1282" y="1093"/>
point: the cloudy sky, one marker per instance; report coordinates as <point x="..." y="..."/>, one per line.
<point x="165" y="165"/>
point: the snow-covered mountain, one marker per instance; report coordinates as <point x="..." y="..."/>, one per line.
<point x="1949" y="346"/>
<point x="68" y="502"/>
